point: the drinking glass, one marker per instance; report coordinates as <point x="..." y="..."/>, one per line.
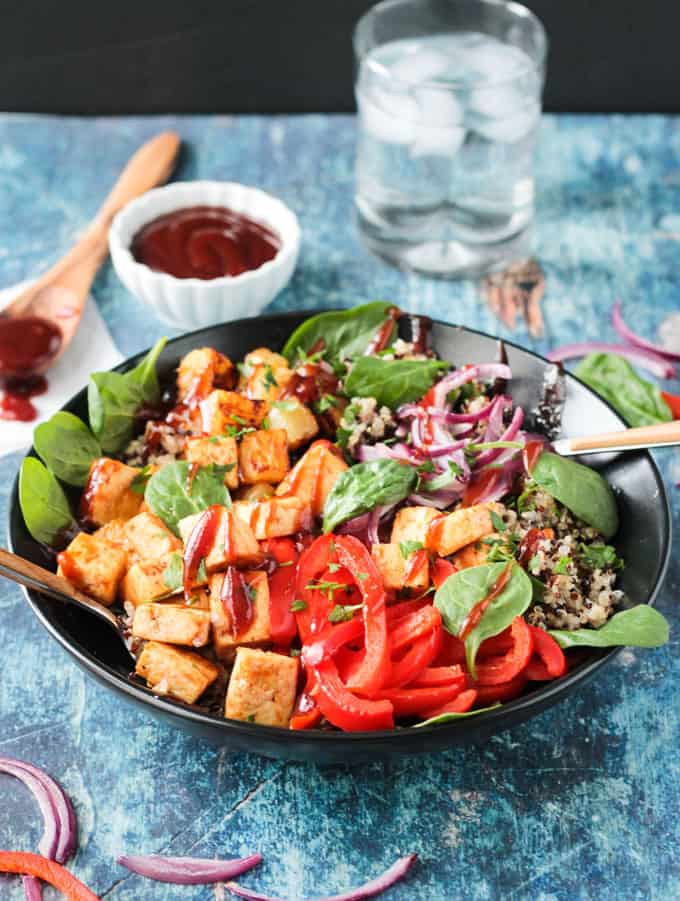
<point x="449" y="103"/>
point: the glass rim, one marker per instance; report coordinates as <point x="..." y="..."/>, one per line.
<point x="517" y="9"/>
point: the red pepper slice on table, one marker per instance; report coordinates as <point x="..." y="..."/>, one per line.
<point x="461" y="704"/>
<point x="27" y="864"/>
<point x="282" y="625"/>
<point x="548" y="661"/>
<point x="503" y="668"/>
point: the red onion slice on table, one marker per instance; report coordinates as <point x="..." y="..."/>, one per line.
<point x="396" y="872"/>
<point x="651" y="361"/>
<point x="629" y="335"/>
<point x="187" y="870"/>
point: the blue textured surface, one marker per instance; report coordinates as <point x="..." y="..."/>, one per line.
<point x="580" y="803"/>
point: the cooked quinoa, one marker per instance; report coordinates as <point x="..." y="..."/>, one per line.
<point x="366" y="423"/>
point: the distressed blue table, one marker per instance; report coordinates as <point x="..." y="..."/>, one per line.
<point x="582" y="802"/>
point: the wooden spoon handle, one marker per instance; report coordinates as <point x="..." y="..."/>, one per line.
<point x="666" y="433"/>
<point x="31" y="576"/>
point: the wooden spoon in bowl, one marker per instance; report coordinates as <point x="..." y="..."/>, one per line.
<point x="37" y="326"/>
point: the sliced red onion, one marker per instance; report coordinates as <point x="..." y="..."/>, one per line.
<point x="456" y="418"/>
<point x="652" y="362"/>
<point x="482" y="372"/>
<point x="494" y="426"/>
<point x="509" y="434"/>
<point x="629" y="335"/>
<point x="32" y="888"/>
<point x="443" y="450"/>
<point x="396" y="872"/>
<point x="188" y="870"/>
<point x="438" y="499"/>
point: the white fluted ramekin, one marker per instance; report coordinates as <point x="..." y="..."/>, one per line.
<point x="193" y="302"/>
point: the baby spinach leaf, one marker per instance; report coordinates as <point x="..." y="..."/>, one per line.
<point x="115" y="398"/>
<point x="449" y="717"/>
<point x="637" y="400"/>
<point x="345" y="333"/>
<point x="365" y="486"/>
<point x="173" y="493"/>
<point x="392" y="382"/>
<point x="44" y="505"/>
<point x="580" y="489"/>
<point x="642" y="626"/>
<point x="67" y="447"/>
<point x="462" y="590"/>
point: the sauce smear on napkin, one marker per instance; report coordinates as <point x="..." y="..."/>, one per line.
<point x="27" y="344"/>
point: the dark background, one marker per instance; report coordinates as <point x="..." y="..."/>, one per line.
<point x="116" y="56"/>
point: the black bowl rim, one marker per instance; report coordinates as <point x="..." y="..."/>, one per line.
<point x="539" y="699"/>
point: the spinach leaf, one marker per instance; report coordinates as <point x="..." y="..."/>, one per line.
<point x="580" y="489"/>
<point x="365" y="486"/>
<point x="67" y="447"/>
<point x="114" y="399"/>
<point x="599" y="556"/>
<point x="173" y="494"/>
<point x="392" y="382"/>
<point x="462" y="590"/>
<point x="449" y="717"/>
<point x="46" y="510"/>
<point x="638" y="401"/>
<point x="642" y="626"/>
<point x="345" y="333"/>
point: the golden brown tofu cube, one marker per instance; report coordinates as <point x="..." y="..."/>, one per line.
<point x="201" y="371"/>
<point x="297" y="419"/>
<point x="114" y="531"/>
<point x="263" y="456"/>
<point x="234" y="543"/>
<point x="144" y="581"/>
<point x="263" y="356"/>
<point x="262" y="687"/>
<point x="94" y="565"/>
<point x="220" y="449"/>
<point x="412" y="523"/>
<point x="222" y="409"/>
<point x="472" y="555"/>
<point x="258" y="632"/>
<point x="264" y="382"/>
<point x="313" y="476"/>
<point x="177" y="673"/>
<point x="260" y="491"/>
<point x="397" y="572"/>
<point x="172" y="623"/>
<point x="108" y="494"/>
<point x="149" y="538"/>
<point x="274" y="518"/>
<point x="450" y="533"/>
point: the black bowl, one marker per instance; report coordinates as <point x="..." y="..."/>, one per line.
<point x="643" y="541"/>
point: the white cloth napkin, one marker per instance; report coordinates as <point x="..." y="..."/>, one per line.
<point x="91" y="350"/>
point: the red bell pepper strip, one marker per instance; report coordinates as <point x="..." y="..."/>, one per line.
<point x="505" y="691"/>
<point x="26" y="864"/>
<point x="504" y="668"/>
<point x="497" y="644"/>
<point x="413" y="701"/>
<point x="437" y="675"/>
<point x="673" y="401"/>
<point x="532" y="451"/>
<point x="461" y="704"/>
<point x="398" y="611"/>
<point x="452" y="652"/>
<point x="341" y="707"/>
<point x="282" y="625"/>
<point x="548" y="660"/>
<point x="480" y="484"/>
<point x="440" y="570"/>
<point x="407" y="629"/>
<point x="419" y="656"/>
<point x="313" y="561"/>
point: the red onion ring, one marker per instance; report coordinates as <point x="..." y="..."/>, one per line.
<point x="652" y="362"/>
<point x="509" y="434"/>
<point x="187" y="870"/>
<point x="629" y="335"/>
<point x="396" y="872"/>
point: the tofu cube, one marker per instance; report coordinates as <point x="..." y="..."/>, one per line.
<point x="260" y="491"/>
<point x="93" y="565"/>
<point x="201" y="371"/>
<point x="266" y="382"/>
<point x="149" y="538"/>
<point x="297" y="419"/>
<point x="398" y="573"/>
<point x="263" y="456"/>
<point x="107" y="494"/>
<point x="258" y="632"/>
<point x="220" y="449"/>
<point x="144" y="581"/>
<point x="274" y="518"/>
<point x="259" y="357"/>
<point x="234" y="543"/>
<point x="412" y="523"/>
<point x="471" y="555"/>
<point x="114" y="531"/>
<point x="222" y="409"/>
<point x="172" y="623"/>
<point x="177" y="673"/>
<point x="450" y="533"/>
<point x="313" y="476"/>
<point x="262" y="687"/>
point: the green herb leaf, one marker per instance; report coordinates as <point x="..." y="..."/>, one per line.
<point x="286" y="405"/>
<point x="492" y="445"/>
<point x="497" y="522"/>
<point x="67" y="447"/>
<point x="462" y="590"/>
<point x="173" y="574"/>
<point x="297" y="606"/>
<point x="44" y="505"/>
<point x="535" y="562"/>
<point x="328" y="588"/>
<point x="345" y="333"/>
<point x="392" y="382"/>
<point x="365" y="486"/>
<point x="342" y="613"/>
<point x="409" y="547"/>
<point x="325" y="402"/>
<point x="639" y="402"/>
<point x="581" y="489"/>
<point x="172" y="494"/>
<point x="443" y="480"/>
<point x="641" y="626"/>
<point x="269" y="377"/>
<point x="599" y="556"/>
<point x="562" y="566"/>
<point x="138" y="484"/>
<point x="450" y="717"/>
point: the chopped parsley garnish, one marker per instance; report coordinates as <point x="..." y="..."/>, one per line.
<point x="297" y="606"/>
<point x="295" y="652"/>
<point x="285" y="563"/>
<point x="341" y="613"/>
<point x="534" y="563"/>
<point x="562" y="566"/>
<point x="328" y="588"/>
<point x="325" y="402"/>
<point x="269" y="377"/>
<point x="497" y="522"/>
<point x="599" y="556"/>
<point x="409" y="547"/>
<point x="138" y="484"/>
<point x="333" y="567"/>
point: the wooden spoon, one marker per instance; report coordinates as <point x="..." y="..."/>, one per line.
<point x="59" y="295"/>
<point x="35" y="577"/>
<point x="666" y="434"/>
